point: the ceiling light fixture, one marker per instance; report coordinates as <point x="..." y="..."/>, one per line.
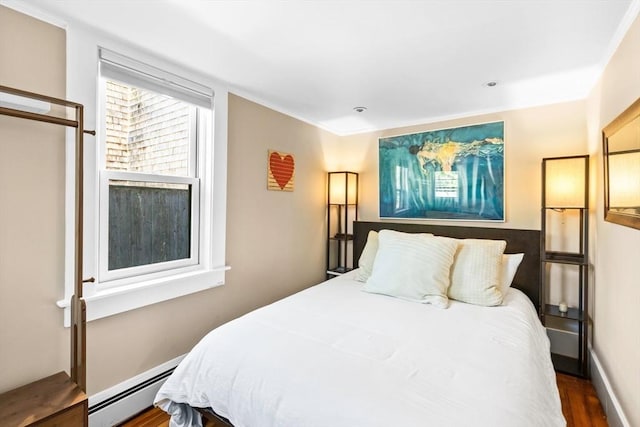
<point x="359" y="109"/>
<point x="491" y="84"/>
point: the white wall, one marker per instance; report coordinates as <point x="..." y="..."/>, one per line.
<point x="616" y="313"/>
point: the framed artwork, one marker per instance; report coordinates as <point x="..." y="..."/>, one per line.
<point x="280" y="171"/>
<point x="446" y="174"/>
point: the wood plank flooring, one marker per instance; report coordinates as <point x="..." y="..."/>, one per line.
<point x="580" y="406"/>
<point x="155" y="417"/>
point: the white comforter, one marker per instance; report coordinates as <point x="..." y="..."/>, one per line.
<point x="333" y="355"/>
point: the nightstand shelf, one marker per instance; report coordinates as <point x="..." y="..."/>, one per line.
<point x="571" y="314"/>
<point x="339" y="271"/>
<point x="342" y="210"/>
<point x="567" y="331"/>
<point x="565" y="258"/>
<point x="567" y="365"/>
<point x="342" y="237"/>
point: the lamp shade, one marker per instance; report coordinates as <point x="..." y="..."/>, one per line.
<point x="624" y="180"/>
<point x="343" y="188"/>
<point x="565" y="182"/>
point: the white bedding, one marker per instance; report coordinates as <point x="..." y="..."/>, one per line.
<point x="333" y="355"/>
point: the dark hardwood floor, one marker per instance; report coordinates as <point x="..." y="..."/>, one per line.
<point x="580" y="406"/>
<point x="155" y="417"/>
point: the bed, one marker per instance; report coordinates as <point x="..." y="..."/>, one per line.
<point x="339" y="354"/>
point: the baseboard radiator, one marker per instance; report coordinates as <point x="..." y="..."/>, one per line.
<point x="123" y="401"/>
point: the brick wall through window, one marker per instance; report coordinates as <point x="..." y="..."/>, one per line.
<point x="146" y="132"/>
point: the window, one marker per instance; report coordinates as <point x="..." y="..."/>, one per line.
<point x="154" y="131"/>
<point x="150" y="186"/>
<point x="154" y="178"/>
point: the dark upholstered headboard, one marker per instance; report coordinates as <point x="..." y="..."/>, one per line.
<point x="527" y="278"/>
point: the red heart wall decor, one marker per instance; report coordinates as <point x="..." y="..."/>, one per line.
<point x="281" y="171"/>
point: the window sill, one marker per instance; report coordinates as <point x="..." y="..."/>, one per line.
<point x="107" y="302"/>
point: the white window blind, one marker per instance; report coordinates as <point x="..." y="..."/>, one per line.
<point x="124" y="69"/>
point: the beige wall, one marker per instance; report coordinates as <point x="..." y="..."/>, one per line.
<point x="530" y="135"/>
<point x="275" y="240"/>
<point x="275" y="246"/>
<point x="616" y="315"/>
<point x="33" y="342"/>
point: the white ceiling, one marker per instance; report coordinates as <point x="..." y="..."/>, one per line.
<point x="408" y="62"/>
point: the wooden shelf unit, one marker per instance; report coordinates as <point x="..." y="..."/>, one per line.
<point x="571" y="327"/>
<point x="342" y="210"/>
<point x="51" y="401"/>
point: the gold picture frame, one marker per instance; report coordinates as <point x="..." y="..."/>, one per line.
<point x="621" y="154"/>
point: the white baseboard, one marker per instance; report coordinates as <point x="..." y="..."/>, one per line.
<point x="610" y="404"/>
<point x="122" y="401"/>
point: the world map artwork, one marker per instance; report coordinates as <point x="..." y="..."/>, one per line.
<point x="452" y="174"/>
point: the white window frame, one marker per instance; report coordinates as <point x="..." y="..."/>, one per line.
<point x="103" y="298"/>
<point x="110" y="278"/>
<point x="199" y="142"/>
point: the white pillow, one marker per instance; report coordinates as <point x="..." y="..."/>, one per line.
<point x="414" y="267"/>
<point x="510" y="263"/>
<point x="477" y="272"/>
<point x="367" y="257"/>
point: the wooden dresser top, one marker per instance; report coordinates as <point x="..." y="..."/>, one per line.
<point x="39" y="400"/>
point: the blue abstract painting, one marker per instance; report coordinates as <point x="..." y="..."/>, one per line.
<point x="453" y="174"/>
